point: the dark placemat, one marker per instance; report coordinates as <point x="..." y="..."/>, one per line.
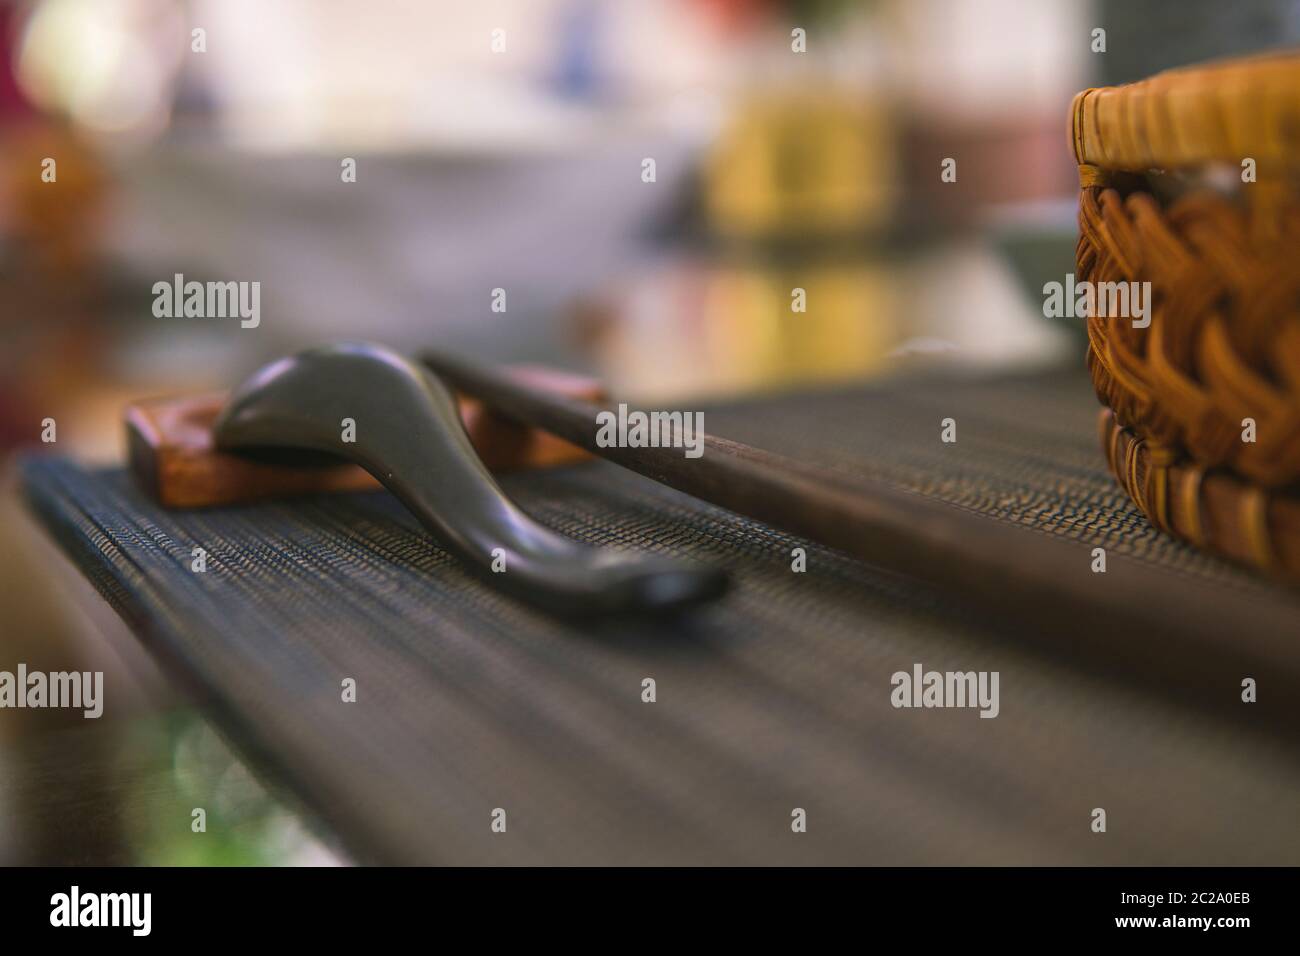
<point x="775" y="698"/>
<point x="1027" y="452"/>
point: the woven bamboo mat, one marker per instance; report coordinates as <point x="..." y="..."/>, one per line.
<point x="775" y="698"/>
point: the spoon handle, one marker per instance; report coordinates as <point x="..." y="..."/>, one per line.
<point x="396" y="419"/>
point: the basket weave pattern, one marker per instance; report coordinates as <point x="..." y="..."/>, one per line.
<point x="1223" y="344"/>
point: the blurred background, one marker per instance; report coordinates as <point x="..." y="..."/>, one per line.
<point x="794" y="229"/>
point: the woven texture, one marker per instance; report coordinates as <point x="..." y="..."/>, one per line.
<point x="1223" y="344"/>
<point x="776" y="697"/>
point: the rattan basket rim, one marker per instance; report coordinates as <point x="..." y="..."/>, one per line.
<point x="1220" y="112"/>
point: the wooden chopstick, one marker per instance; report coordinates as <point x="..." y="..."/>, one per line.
<point x="1199" y="637"/>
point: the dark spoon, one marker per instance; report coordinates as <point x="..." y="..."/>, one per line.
<point x="409" y="436"/>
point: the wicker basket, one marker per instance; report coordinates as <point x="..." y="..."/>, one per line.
<point x="1163" y="168"/>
